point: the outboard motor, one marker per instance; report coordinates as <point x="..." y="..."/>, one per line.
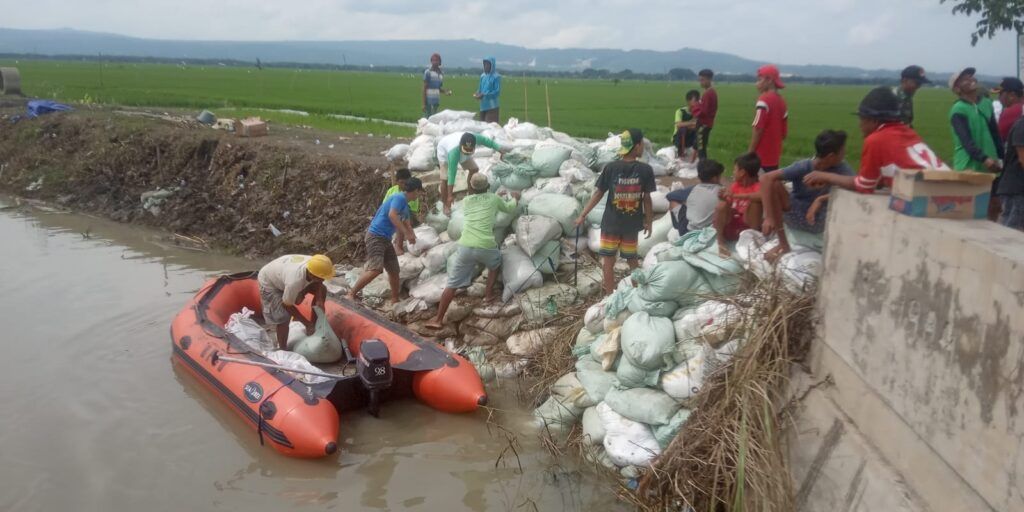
<point x="374" y="369"/>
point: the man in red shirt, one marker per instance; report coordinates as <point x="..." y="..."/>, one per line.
<point x="889" y="145"/>
<point x="1010" y="92"/>
<point x="706" y="113"/>
<point x="771" y="118"/>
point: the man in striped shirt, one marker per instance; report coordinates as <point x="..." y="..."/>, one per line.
<point x="433" y="79"/>
<point x="889" y="145"/>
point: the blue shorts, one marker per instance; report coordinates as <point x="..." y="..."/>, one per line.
<point x="467" y="259"/>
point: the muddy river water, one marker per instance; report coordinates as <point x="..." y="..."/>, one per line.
<point x="94" y="416"/>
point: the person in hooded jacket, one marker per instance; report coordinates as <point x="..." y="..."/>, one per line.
<point x="489" y="91"/>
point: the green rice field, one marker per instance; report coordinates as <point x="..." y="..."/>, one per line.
<point x="582" y="108"/>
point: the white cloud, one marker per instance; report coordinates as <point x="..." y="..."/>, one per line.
<point x="870" y="32"/>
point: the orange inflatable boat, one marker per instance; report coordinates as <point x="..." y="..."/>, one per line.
<point x="383" y="361"/>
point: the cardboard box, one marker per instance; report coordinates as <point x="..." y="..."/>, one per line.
<point x="941" y="194"/>
<point x="251" y="127"/>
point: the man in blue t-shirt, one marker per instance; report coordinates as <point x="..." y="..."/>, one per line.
<point x="392" y="215"/>
<point x="799" y="216"/>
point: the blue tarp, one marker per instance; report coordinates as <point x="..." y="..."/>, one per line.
<point x="37" y="108"/>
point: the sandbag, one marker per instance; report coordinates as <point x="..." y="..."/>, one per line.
<point x="606" y="349"/>
<point x="667" y="432"/>
<point x="322" y="347"/>
<point x="646" y="405"/>
<point x="594" y="239"/>
<point x="450" y="116"/>
<point x="540" y="304"/>
<point x="668" y="153"/>
<point x="517" y="181"/>
<point x="557" y="413"/>
<point x="522" y="130"/>
<point x="409" y="267"/>
<point x="422" y="159"/>
<point x="455" y="223"/>
<point x="627" y="442"/>
<point x="666" y="281"/>
<point x="430" y="290"/>
<point x="518" y="272"/>
<point x="397" y="152"/>
<point x="548" y="158"/>
<point x="651" y="259"/>
<point x="533" y="231"/>
<point x="436" y="259"/>
<point x="684" y="381"/>
<point x="248" y="330"/>
<point x="596" y="214"/>
<point x="661" y="309"/>
<point x="296" y="361"/>
<point x="562" y="208"/>
<point x="576" y="172"/>
<point x="554" y="186"/>
<point x="529" y="342"/>
<point x="594" y="379"/>
<point x="593" y="317"/>
<point x="426" y="238"/>
<point x="630" y="375"/>
<point x="436" y="218"/>
<point x="584" y="338"/>
<point x="659" y="233"/>
<point x="548" y="258"/>
<point x="659" y="202"/>
<point x="593" y="429"/>
<point x="648" y="341"/>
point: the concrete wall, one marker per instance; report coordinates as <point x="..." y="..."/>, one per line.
<point x="922" y="343"/>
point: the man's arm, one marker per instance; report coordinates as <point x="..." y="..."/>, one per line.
<point x="403" y="225"/>
<point x="507" y="205"/>
<point x="760" y="118"/>
<point x="648" y="214"/>
<point x="824" y="179"/>
<point x="594" y="199"/>
<point x="961" y="128"/>
<point x="491" y="143"/>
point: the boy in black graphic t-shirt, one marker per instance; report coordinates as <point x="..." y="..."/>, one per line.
<point x="629" y="184"/>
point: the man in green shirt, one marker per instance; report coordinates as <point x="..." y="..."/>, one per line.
<point x="685" y="135"/>
<point x="457" y="149"/>
<point x="976" y="144"/>
<point x="477" y="245"/>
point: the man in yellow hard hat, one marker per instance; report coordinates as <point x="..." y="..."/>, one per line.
<point x="284" y="284"/>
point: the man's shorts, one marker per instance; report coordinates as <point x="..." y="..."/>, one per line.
<point x="380" y="254"/>
<point x="490" y="116"/>
<point x="1013" y="211"/>
<point x="442" y="160"/>
<point x="466" y="261"/>
<point x="735" y="226"/>
<point x="431" y="109"/>
<point x="613" y="244"/>
<point x="273" y="307"/>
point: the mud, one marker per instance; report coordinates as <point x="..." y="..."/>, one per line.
<point x="225" y="190"/>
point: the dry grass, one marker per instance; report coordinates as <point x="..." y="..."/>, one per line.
<point x="729" y="455"/>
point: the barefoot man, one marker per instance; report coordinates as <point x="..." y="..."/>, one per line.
<point x="477" y="245"/>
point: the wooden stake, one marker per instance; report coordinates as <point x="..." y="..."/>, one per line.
<point x="526" y="101"/>
<point x="547" y="100"/>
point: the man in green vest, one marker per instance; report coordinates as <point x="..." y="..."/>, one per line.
<point x="976" y="144"/>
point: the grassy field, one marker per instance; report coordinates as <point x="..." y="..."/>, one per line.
<point x="585" y="108"/>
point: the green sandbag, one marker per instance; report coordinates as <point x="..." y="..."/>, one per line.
<point x="667" y="432"/>
<point x="323" y="346"/>
<point x="667" y="281"/>
<point x="517" y="182"/>
<point x="650" y="406"/>
<point x="548" y="158"/>
<point x="548" y="257"/>
<point x="436" y="218"/>
<point x="632" y="376"/>
<point x="596" y="381"/>
<point x="659" y="309"/>
<point x="648" y="341"/>
<point x="557" y="412"/>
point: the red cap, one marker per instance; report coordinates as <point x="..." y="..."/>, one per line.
<point x="770" y="71"/>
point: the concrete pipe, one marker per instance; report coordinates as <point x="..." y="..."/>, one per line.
<point x="10" y="81"/>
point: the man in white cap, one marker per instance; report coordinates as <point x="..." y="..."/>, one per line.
<point x="477" y="245"/>
<point x="976" y="144"/>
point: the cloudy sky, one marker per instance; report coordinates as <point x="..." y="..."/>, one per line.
<point x="863" y="33"/>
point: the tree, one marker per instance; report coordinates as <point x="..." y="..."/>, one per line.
<point x="996" y="15"/>
<point x="681" y="74"/>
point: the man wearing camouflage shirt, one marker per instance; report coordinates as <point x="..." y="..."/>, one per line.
<point x="911" y="79"/>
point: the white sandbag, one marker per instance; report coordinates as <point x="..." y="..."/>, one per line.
<point x="668" y="153"/>
<point x="527" y="343"/>
<point x="648" y="341"/>
<point x="296" y="362"/>
<point x="248" y="330"/>
<point x="562" y="208"/>
<point x="409" y="267"/>
<point x="524" y="130"/>
<point x="646" y="405"/>
<point x="800" y="269"/>
<point x="436" y="218"/>
<point x="436" y="259"/>
<point x="557" y="185"/>
<point x="422" y="159"/>
<point x="718" y="321"/>
<point x="518" y="272"/>
<point x="397" y="152"/>
<point x="627" y="442"/>
<point x="548" y="158"/>
<point x="651" y="259"/>
<point x="684" y="381"/>
<point x="659" y="202"/>
<point x="686" y="171"/>
<point x="323" y="346"/>
<point x="425" y="127"/>
<point x="426" y="238"/>
<point x="533" y="231"/>
<point x="593" y="429"/>
<point x="593" y="317"/>
<point x="423" y="140"/>
<point x="594" y="239"/>
<point x="575" y="171"/>
<point x="464" y="125"/>
<point x="430" y="290"/>
<point x="455" y="223"/>
<point x="659" y="233"/>
<point x="448" y="116"/>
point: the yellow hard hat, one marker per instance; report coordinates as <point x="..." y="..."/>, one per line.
<point x="320" y="266"/>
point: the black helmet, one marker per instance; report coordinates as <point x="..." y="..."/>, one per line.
<point x="881" y="103"/>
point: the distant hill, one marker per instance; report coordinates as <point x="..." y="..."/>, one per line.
<point x="457" y="53"/>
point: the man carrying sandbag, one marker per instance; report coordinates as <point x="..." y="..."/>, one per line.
<point x="392" y="215"/>
<point x="476" y="245"/>
<point x="457" y="149"/>
<point x="284" y="284"/>
<point x="629" y="184"/>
